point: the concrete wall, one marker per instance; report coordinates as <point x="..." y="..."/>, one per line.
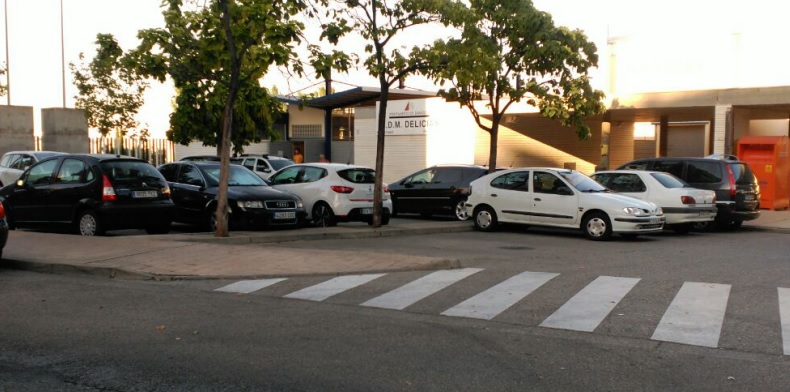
<point x="622" y="147"/>
<point x="64" y="130"/>
<point x="16" y="128"/>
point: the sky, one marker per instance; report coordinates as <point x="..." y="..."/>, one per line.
<point x="664" y="45"/>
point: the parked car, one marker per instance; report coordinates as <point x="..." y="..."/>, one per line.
<point x="438" y="189"/>
<point x="559" y="198"/>
<point x="262" y="165"/>
<point x="93" y="193"/>
<point x="736" y="187"/>
<point x="14" y="163"/>
<point x="200" y="158"/>
<point x="683" y="205"/>
<point x="3" y="230"/>
<point x="252" y="203"/>
<point x="333" y="192"/>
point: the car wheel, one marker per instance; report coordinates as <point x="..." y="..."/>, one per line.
<point x="385" y="219"/>
<point x="323" y="215"/>
<point x="158" y="228"/>
<point x="597" y="226"/>
<point x="702" y="226"/>
<point x="485" y="219"/>
<point x="89" y="224"/>
<point x="460" y="210"/>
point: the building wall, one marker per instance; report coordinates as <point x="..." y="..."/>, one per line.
<point x="64" y="130"/>
<point x="16" y="128"/>
<point x="622" y="146"/>
<point x="686" y="140"/>
<point x="304" y="116"/>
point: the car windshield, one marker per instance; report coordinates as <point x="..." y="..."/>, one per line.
<point x="239" y="176"/>
<point x="278" y="164"/>
<point x="742" y="173"/>
<point x="130" y="171"/>
<point x="668" y="180"/>
<point x="582" y="182"/>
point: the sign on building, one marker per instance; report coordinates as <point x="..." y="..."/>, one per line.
<point x="408" y="117"/>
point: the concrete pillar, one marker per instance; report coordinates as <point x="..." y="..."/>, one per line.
<point x="16" y="129"/>
<point x="721" y="128"/>
<point x="663" y="136"/>
<point x="64" y="130"/>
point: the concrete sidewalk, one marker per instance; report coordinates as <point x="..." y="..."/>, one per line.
<point x="243" y="255"/>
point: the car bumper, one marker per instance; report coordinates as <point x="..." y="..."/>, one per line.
<point x="3" y="233"/>
<point x="261" y="218"/>
<point x="728" y="213"/>
<point x="361" y="212"/>
<point x="632" y="224"/>
<point x="681" y="215"/>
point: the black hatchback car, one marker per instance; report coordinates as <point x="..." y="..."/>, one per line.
<point x="438" y="189"/>
<point x="93" y="193"/>
<point x="252" y="203"/>
<point x="736" y="187"/>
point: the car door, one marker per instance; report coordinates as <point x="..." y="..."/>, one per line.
<point x="510" y="196"/>
<point x="440" y="193"/>
<point x="411" y="195"/>
<point x="192" y="198"/>
<point x="73" y="182"/>
<point x="553" y="201"/>
<point x="29" y="201"/>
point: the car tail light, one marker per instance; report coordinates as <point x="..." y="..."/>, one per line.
<point x="342" y="189"/>
<point x="107" y="192"/>
<point x="687" y="200"/>
<point x="733" y="185"/>
<point x="386" y="188"/>
<point x="166" y="192"/>
<point x="2" y="211"/>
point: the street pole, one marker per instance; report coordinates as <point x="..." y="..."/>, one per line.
<point x="7" y="63"/>
<point x="62" y="53"/>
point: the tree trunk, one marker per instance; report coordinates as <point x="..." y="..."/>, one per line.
<point x="378" y="184"/>
<point x="492" y="165"/>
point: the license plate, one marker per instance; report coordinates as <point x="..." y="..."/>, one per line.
<point x="749" y="197"/>
<point x="655" y="221"/>
<point x="705" y="214"/>
<point x="143" y="194"/>
<point x="367" y="211"/>
<point x="285" y="215"/>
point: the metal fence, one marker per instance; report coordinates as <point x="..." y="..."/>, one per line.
<point x="155" y="151"/>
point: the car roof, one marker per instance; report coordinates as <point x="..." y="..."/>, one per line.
<point x="33" y="152"/>
<point x="107" y="157"/>
<point x="331" y="166"/>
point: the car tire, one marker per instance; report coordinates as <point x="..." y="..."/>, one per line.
<point x="323" y="216"/>
<point x="210" y="221"/>
<point x="460" y="210"/>
<point x="89" y="224"/>
<point x="158" y="228"/>
<point x="597" y="226"/>
<point x="385" y="219"/>
<point x="485" y="219"/>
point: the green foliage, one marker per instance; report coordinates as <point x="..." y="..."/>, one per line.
<point x="511" y="52"/>
<point x="109" y="89"/>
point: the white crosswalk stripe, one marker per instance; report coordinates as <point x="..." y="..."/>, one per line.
<point x="499" y="298"/>
<point x="410" y="293"/>
<point x="332" y="287"/>
<point x="784" y="315"/>
<point x="249" y="286"/>
<point x="590" y="306"/>
<point x="695" y="315"/>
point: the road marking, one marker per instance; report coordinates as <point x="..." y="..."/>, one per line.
<point x="410" y="293"/>
<point x="590" y="306"/>
<point x="499" y="298"/>
<point x="248" y="286"/>
<point x="695" y="315"/>
<point x="332" y="287"/>
<point x="784" y="315"/>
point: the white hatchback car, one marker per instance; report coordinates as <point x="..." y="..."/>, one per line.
<point x="14" y="163"/>
<point x="683" y="205"/>
<point x="559" y="198"/>
<point x="333" y="192"/>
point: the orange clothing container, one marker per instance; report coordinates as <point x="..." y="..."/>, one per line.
<point x="768" y="158"/>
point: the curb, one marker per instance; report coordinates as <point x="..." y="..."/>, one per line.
<point x="766" y="229"/>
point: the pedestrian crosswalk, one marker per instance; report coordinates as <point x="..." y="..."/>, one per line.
<point x="695" y="315"/>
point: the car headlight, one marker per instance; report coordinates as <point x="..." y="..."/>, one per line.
<point x="635" y="211"/>
<point x="659" y="211"/>
<point x="299" y="203"/>
<point x="250" y="204"/>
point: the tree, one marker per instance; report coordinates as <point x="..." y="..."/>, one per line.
<point x="511" y="52"/>
<point x="109" y="89"/>
<point x="215" y="52"/>
<point x="378" y="22"/>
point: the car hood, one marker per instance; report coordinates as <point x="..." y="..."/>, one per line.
<point x="618" y="199"/>
<point x="256" y="193"/>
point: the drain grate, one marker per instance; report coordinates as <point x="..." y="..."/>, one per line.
<point x="516" y="248"/>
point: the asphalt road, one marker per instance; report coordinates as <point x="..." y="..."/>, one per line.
<point x="70" y="333"/>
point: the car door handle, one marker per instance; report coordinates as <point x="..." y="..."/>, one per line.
<point x="537" y="199"/>
<point x="493" y="195"/>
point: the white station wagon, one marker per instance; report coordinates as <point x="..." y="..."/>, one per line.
<point x="559" y="198"/>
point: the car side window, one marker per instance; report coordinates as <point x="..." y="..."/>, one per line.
<point x="6" y="160"/>
<point x="516" y="181"/>
<point x="42" y="174"/>
<point x="15" y="162"/>
<point x="637" y="165"/>
<point x="287" y="176"/>
<point x="249" y="164"/>
<point x="448" y="175"/>
<point x="72" y="171"/>
<point x="602" y="178"/>
<point x="671" y="167"/>
<point x="169" y="172"/>
<point x="423" y="177"/>
<point x="704" y="173"/>
<point x="263" y="166"/>
<point x="627" y="183"/>
<point x="312" y="174"/>
<point x="190" y="175"/>
<point x="543" y="182"/>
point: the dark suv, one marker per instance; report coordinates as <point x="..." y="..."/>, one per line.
<point x="93" y="193"/>
<point x="438" y="189"/>
<point x="737" y="190"/>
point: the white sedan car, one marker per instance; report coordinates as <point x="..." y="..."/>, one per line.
<point x="14" y="163"/>
<point x="559" y="198"/>
<point x="683" y="205"/>
<point x="333" y="192"/>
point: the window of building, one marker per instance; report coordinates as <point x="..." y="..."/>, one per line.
<point x="343" y="124"/>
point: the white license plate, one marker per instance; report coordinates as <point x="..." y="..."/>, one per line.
<point x="143" y="194"/>
<point x="655" y="221"/>
<point x="749" y="197"/>
<point x="705" y="214"/>
<point x="285" y="215"/>
<point x="367" y="211"/>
